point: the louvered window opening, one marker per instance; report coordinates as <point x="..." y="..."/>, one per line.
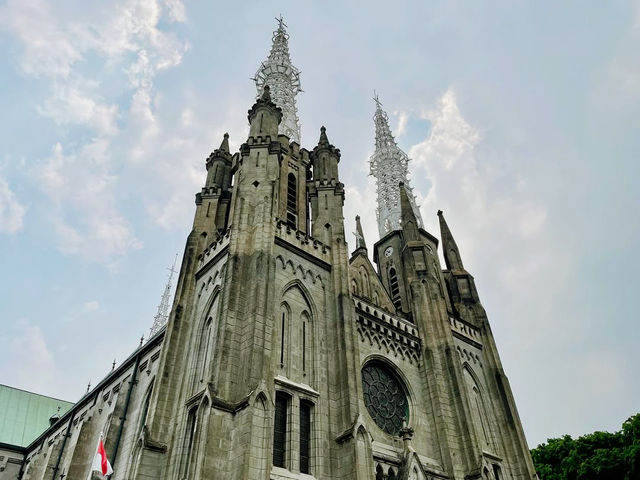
<point x="292" y="203"/>
<point x="280" y="431"/>
<point x="305" y="436"/>
<point x="395" y="289"/>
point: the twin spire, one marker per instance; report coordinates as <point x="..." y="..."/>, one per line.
<point x="283" y="78"/>
<point x="278" y="80"/>
<point x="389" y="166"/>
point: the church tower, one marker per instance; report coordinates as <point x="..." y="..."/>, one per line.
<point x="287" y="357"/>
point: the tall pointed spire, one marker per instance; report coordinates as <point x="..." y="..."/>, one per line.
<point x="449" y="247"/>
<point x="162" y="316"/>
<point x="278" y="72"/>
<point x="389" y="165"/>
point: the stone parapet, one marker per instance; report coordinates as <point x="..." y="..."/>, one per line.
<point x="302" y="241"/>
<point x="394" y="333"/>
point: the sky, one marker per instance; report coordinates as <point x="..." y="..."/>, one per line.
<point x="521" y="120"/>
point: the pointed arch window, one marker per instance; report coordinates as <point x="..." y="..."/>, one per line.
<point x="280" y="430"/>
<point x="292" y="200"/>
<point x="192" y="423"/>
<point x="205" y="346"/>
<point x="145" y="406"/>
<point x="305" y="436"/>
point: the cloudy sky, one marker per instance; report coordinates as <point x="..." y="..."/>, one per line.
<point x="522" y="120"/>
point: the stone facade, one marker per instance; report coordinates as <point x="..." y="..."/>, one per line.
<point x="287" y="358"/>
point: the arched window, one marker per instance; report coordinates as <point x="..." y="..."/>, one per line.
<point x="192" y="424"/>
<point x="205" y="347"/>
<point x="283" y="328"/>
<point x="305" y="436"/>
<point x="294" y="337"/>
<point x="478" y="411"/>
<point x="145" y="407"/>
<point x="395" y="288"/>
<point x="280" y="430"/>
<point x="292" y="200"/>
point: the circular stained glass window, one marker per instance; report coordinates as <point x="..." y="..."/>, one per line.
<point x="384" y="397"/>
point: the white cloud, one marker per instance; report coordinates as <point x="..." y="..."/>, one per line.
<point x="127" y="43"/>
<point x="471" y="193"/>
<point x="71" y="104"/>
<point x="11" y="210"/>
<point x="32" y="364"/>
<point x="403" y="118"/>
<point x="49" y="50"/>
<point x="81" y="187"/>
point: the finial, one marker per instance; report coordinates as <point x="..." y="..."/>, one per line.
<point x="324" y="140"/>
<point x="224" y="146"/>
<point x="141" y="340"/>
<point x="439" y="213"/>
<point x="265" y="93"/>
<point x="89" y="386"/>
<point x="113" y="365"/>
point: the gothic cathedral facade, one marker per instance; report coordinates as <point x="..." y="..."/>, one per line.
<point x="286" y="356"/>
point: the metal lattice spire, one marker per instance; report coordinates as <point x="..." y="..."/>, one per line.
<point x="162" y="316"/>
<point x="283" y="80"/>
<point x="389" y="165"/>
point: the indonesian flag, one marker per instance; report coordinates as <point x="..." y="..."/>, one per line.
<point x="100" y="462"/>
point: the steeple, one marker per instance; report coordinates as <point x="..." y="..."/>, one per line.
<point x="162" y="316"/>
<point x="449" y="247"/>
<point x="389" y="165"/>
<point x="278" y="72"/>
<point x="361" y="246"/>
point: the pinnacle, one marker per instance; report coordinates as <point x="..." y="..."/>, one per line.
<point x="224" y="146"/>
<point x="266" y="95"/>
<point x="360" y="243"/>
<point x="324" y="140"/>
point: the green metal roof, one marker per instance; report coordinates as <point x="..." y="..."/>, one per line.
<point x="25" y="415"/>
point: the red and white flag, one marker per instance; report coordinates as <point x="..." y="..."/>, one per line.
<point x="100" y="462"/>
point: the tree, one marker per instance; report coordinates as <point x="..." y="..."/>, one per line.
<point x="596" y="456"/>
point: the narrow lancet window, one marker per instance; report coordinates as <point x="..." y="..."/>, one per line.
<point x="292" y="200"/>
<point x="280" y="430"/>
<point x="305" y="436"/>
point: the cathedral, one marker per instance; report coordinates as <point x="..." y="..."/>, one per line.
<point x="288" y="356"/>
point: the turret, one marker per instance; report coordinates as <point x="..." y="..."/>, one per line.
<point x="219" y="167"/>
<point x="264" y="117"/>
<point x="326" y="193"/>
<point x="325" y="158"/>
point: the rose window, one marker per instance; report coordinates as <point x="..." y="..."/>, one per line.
<point x="384" y="397"/>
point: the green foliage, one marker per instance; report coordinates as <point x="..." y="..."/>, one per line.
<point x="596" y="456"/>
